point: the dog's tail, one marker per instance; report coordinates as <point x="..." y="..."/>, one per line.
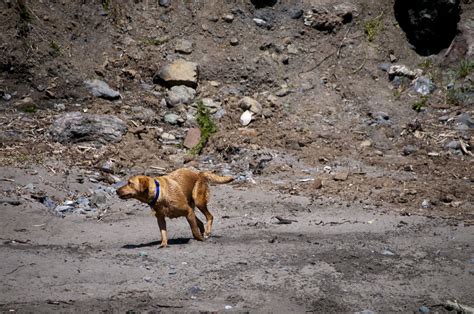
<point x="214" y="178"/>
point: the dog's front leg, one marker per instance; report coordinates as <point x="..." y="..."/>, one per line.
<point x="164" y="234"/>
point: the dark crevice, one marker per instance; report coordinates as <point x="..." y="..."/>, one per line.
<point x="430" y="25"/>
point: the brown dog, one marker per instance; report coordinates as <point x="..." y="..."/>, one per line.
<point x="175" y="195"/>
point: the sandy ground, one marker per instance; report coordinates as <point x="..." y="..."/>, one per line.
<point x="338" y="258"/>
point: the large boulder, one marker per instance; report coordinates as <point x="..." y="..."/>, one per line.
<point x="74" y="127"/>
<point x="430" y="25"/>
<point x="179" y="72"/>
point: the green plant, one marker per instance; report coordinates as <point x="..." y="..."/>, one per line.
<point x="426" y="64"/>
<point x="397" y="94"/>
<point x="206" y="125"/>
<point x="24" y="12"/>
<point x="55" y="48"/>
<point x="373" y="27"/>
<point x="106" y="4"/>
<point x="155" y="41"/>
<point x="30" y="109"/>
<point x="417" y="106"/>
<point x="465" y="68"/>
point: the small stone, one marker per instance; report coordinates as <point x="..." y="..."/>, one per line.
<point x="108" y="166"/>
<point x="246" y="118"/>
<point x="184" y="46"/>
<point x="101" y="89"/>
<point x="295" y="13"/>
<point x="179" y="72"/>
<point x="171" y="118"/>
<point x="403" y="71"/>
<point x="143" y="254"/>
<point x="192" y="138"/>
<point x="210" y="104"/>
<point x="180" y="95"/>
<point x="423" y="85"/>
<point x="267" y="113"/>
<point x="381" y="118"/>
<point x="260" y="22"/>
<point x="387" y="253"/>
<point x="273" y="100"/>
<point x="317" y="184"/>
<point x="98" y="198"/>
<point x="234" y="41"/>
<point x="6" y="97"/>
<point x="341" y="175"/>
<point x="408" y="150"/>
<point x="455" y="145"/>
<point x="292" y="49"/>
<point x="213" y="18"/>
<point x="63" y="208"/>
<point x="59" y="107"/>
<point x="384" y="66"/>
<point x="248" y="103"/>
<point x="366" y="143"/>
<point x="48" y="202"/>
<point x="229" y="18"/>
<point x="228" y="307"/>
<point x="426" y="204"/>
<point x="167" y="137"/>
<point x="165" y="3"/>
<point x="283" y="92"/>
<point x="147" y="279"/>
<point x="392" y="58"/>
<point x="424" y="309"/>
<point x="41" y="88"/>
<point x="465" y="119"/>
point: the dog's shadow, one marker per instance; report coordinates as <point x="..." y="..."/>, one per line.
<point x="177" y="241"/>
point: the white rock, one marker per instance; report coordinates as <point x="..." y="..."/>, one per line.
<point x="246" y="117"/>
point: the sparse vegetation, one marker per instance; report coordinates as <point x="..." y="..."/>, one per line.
<point x="24" y="12"/>
<point x="106" y="4"/>
<point x="155" y="41"/>
<point x="207" y="126"/>
<point x="397" y="94"/>
<point x="55" y="48"/>
<point x="465" y="68"/>
<point x="373" y="27"/>
<point x="417" y="106"/>
<point x="30" y="109"/>
<point x="426" y="64"/>
<point x="26" y="17"/>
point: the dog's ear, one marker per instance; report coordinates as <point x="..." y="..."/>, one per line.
<point x="144" y="184"/>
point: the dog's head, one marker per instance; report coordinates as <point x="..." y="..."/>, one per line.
<point x="137" y="187"/>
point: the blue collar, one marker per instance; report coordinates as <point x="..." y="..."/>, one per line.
<point x="157" y="194"/>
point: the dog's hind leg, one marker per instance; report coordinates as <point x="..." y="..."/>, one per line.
<point x="193" y="223"/>
<point x="200" y="225"/>
<point x="201" y="197"/>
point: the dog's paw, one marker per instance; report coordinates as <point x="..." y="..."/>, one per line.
<point x="163" y="246"/>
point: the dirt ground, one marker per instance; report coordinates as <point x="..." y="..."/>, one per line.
<point x="381" y="208"/>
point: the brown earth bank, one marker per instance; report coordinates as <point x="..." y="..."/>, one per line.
<point x="328" y="118"/>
